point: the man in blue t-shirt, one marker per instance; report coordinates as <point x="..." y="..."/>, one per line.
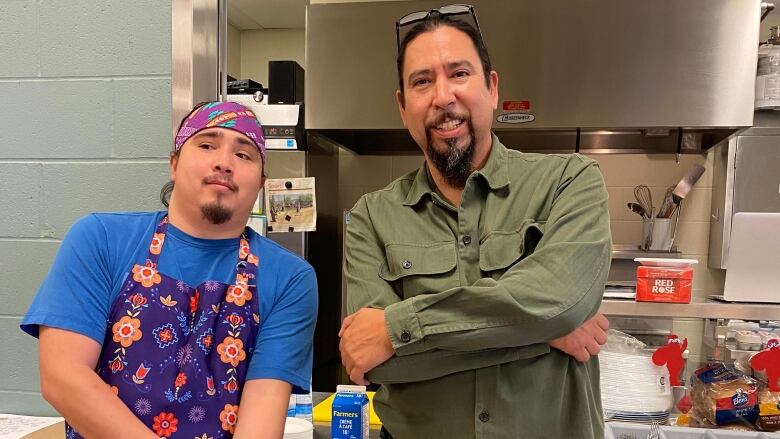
<point x="166" y="324"/>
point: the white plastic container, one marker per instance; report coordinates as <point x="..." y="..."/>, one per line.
<point x="295" y="428"/>
<point x="768" y="78"/>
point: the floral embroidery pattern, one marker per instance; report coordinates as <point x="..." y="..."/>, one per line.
<point x="165" y="424"/>
<point x="126" y="331"/>
<point x="143" y="407"/>
<point x="165" y="335"/>
<point x="196" y="414"/>
<point x="178" y="383"/>
<point x="229" y="418"/>
<point x="194" y="301"/>
<point x="210" y="390"/>
<point x="206" y="340"/>
<point x="157" y="243"/>
<point x="243" y="249"/>
<point x="184" y="355"/>
<point x="163" y="332"/>
<point x="231" y="351"/>
<point x="140" y="373"/>
<point x="147" y="276"/>
<point x="238" y="294"/>
<point x="231" y="385"/>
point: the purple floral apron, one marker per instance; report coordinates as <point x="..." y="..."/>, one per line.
<point x="177" y="356"/>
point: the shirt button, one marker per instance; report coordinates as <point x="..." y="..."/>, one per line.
<point x="406" y="264"/>
<point x="467" y="239"/>
<point x="484" y="416"/>
<point x="405" y="336"/>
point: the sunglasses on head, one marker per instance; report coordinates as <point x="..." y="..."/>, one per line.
<point x="464" y="13"/>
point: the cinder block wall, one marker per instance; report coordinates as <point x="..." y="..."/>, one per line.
<point x="85" y="115"/>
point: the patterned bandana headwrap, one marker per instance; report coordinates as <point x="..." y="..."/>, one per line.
<point x="222" y="115"/>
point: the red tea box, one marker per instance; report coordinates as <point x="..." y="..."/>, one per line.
<point x="664" y="280"/>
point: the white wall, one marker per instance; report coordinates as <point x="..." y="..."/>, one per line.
<point x="260" y="46"/>
<point x="85" y="125"/>
<point x="233" y="52"/>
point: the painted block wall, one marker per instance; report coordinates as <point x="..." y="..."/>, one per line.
<point x="85" y="114"/>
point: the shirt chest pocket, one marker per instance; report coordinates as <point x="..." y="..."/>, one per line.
<point x="415" y="269"/>
<point x="500" y="250"/>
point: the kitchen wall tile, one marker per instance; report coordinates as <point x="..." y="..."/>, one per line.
<point x="22" y="372"/>
<point x="71" y="190"/>
<point x="626" y="232"/>
<point x="19" y="33"/>
<point x="108" y="38"/>
<point x="696" y="205"/>
<point x="693" y="237"/>
<point x="25" y="403"/>
<point x="56" y="119"/>
<point x="619" y="197"/>
<point x="22" y="199"/>
<point x="660" y="170"/>
<point x="24" y="265"/>
<point x="138" y="131"/>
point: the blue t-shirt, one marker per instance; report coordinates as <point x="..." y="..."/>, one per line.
<point x="100" y="249"/>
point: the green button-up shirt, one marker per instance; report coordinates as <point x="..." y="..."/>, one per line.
<point x="472" y="294"/>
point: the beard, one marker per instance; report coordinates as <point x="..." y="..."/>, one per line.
<point x="454" y="163"/>
<point x="216" y="213"/>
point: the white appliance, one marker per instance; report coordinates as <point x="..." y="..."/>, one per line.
<point x="753" y="273"/>
<point x="282" y="123"/>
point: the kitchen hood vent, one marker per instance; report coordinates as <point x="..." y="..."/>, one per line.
<point x="599" y="76"/>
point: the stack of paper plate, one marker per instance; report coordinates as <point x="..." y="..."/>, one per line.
<point x="633" y="388"/>
<point x="660" y="418"/>
<point x="296" y="428"/>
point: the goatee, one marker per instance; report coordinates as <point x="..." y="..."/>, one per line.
<point x="455" y="163"/>
<point x="215" y="213"/>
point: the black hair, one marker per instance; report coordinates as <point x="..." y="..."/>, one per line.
<point x="433" y="22"/>
<point x="167" y="189"/>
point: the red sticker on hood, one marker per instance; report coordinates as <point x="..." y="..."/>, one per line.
<point x="516" y="105"/>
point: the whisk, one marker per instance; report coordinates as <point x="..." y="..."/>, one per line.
<point x="645" y="199"/>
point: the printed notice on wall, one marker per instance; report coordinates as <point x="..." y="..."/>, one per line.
<point x="290" y="205"/>
<point x="15" y="426"/>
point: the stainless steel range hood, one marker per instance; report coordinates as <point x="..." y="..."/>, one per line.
<point x="597" y="75"/>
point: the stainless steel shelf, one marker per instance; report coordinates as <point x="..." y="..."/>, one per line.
<point x="624" y="251"/>
<point x="704" y="309"/>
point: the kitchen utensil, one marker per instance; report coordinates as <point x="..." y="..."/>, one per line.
<point x="655" y="431"/>
<point x="678" y="209"/>
<point x="684" y="186"/>
<point x="667" y="205"/>
<point x="637" y="208"/>
<point x="681" y="190"/>
<point x="644" y="198"/>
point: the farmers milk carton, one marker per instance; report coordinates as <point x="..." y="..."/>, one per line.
<point x="350" y="413"/>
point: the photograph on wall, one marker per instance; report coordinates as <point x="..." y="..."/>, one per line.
<point x="290" y="205"/>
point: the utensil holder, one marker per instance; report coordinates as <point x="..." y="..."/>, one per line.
<point x="657" y="234"/>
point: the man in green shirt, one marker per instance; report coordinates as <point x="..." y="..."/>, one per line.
<point x="473" y="283"/>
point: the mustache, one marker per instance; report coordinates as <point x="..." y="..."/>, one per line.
<point x="443" y="115"/>
<point x="221" y="179"/>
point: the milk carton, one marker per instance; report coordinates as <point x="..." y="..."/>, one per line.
<point x="350" y="413"/>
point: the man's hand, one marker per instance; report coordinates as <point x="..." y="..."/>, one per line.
<point x="365" y="343"/>
<point x="585" y="341"/>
